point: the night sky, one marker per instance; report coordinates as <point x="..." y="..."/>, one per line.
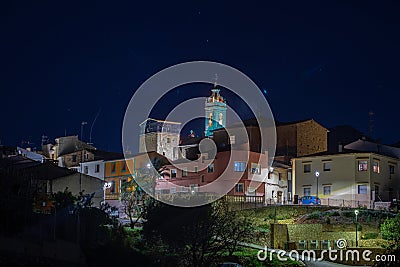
<point x="63" y="63"/>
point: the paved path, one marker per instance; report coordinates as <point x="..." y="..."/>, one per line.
<point x="306" y="261"/>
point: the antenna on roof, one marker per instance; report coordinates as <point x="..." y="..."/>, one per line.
<point x="215" y="80"/>
<point x="91" y="127"/>
<point x="371" y="123"/>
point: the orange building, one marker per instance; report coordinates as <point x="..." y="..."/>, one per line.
<point x="117" y="172"/>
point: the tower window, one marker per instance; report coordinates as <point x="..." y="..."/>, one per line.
<point x="210" y="168"/>
<point x="173" y="173"/>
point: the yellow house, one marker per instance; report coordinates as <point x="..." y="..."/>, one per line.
<point x="347" y="179"/>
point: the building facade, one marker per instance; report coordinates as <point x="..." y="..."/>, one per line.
<point x="347" y="179"/>
<point x="301" y="138"/>
<point x="161" y="137"/>
<point x="245" y="176"/>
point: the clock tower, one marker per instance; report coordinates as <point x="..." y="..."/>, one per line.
<point x="215" y="112"/>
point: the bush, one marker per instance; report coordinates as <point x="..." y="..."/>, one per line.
<point x="391" y="231"/>
<point x="315" y="215"/>
<point x="370" y="235"/>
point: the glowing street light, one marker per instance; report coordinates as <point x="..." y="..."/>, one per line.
<point x="317" y="175"/>
<point x="356" y="212"/>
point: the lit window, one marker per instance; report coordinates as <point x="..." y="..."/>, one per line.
<point x="239" y="188"/>
<point x="307" y="168"/>
<point x="239" y="166"/>
<point x="255" y="168"/>
<point x="327" y="166"/>
<point x="307" y="191"/>
<point x="362" y="189"/>
<point x="375" y="166"/>
<point x="184" y="172"/>
<point x="327" y="190"/>
<point x="232" y="139"/>
<point x="362" y="165"/>
<point x="173" y="173"/>
<point x="210" y="168"/>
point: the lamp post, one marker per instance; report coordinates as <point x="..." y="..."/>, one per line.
<point x="83" y="123"/>
<point x="275" y="200"/>
<point x="356" y="212"/>
<point x="107" y="185"/>
<point x="317" y="175"/>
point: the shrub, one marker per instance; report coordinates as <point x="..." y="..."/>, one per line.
<point x="370" y="235"/>
<point x="315" y="215"/>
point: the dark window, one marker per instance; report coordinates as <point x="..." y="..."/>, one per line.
<point x="327" y="190"/>
<point x="97" y="168"/>
<point x="73" y="158"/>
<point x="327" y="166"/>
<point x="184" y="172"/>
<point x="307" y="191"/>
<point x="239" y="188"/>
<point x="255" y="168"/>
<point x="202" y="178"/>
<point x="173" y="173"/>
<point x="391" y="169"/>
<point x="376" y="191"/>
<point x="210" y="168"/>
<point x="123" y="169"/>
<point x="362" y="189"/>
<point x="307" y="168"/>
<point x="113" y="166"/>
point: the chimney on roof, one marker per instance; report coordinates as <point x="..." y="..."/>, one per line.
<point x="340" y="148"/>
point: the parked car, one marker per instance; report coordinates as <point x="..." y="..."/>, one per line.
<point x="229" y="264"/>
<point x="310" y="200"/>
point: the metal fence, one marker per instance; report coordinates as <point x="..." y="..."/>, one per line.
<point x="334" y="202"/>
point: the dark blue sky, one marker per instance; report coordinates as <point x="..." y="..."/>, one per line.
<point x="62" y="62"/>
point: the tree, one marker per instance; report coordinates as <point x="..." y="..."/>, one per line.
<point x="235" y="228"/>
<point x="198" y="236"/>
<point x="135" y="200"/>
<point x="391" y="231"/>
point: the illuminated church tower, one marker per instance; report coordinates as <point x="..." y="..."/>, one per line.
<point x="215" y="108"/>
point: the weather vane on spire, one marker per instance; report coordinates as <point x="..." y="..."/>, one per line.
<point x="215" y="80"/>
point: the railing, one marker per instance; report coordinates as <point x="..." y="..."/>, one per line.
<point x="245" y="202"/>
<point x="346" y="203"/>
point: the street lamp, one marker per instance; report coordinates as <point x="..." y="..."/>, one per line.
<point x="317" y="175"/>
<point x="83" y="123"/>
<point x="107" y="185"/>
<point x="275" y="201"/>
<point x="356" y="212"/>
